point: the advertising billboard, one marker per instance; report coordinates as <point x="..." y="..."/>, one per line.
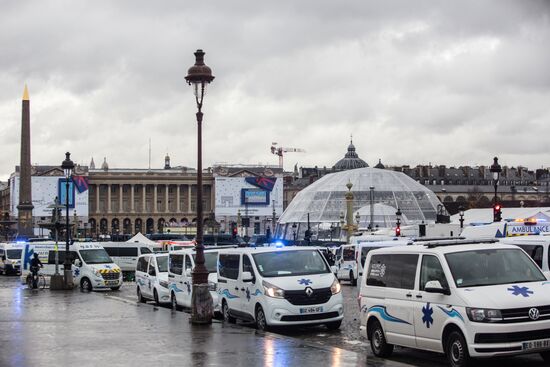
<point x="251" y="195"/>
<point x="44" y="191"/>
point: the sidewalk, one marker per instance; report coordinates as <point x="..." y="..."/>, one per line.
<point x="43" y="328"/>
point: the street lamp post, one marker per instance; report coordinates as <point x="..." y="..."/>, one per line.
<point x="294" y="226"/>
<point x="495" y="169"/>
<point x="67" y="165"/>
<point x="461" y="214"/>
<point x="398" y="226"/>
<point x="199" y="76"/>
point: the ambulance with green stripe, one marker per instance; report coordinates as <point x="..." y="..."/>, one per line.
<point x="91" y="266"/>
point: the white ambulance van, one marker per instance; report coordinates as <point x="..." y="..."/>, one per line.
<point x="346" y="264"/>
<point x="152" y="278"/>
<point x="466" y="299"/>
<point x="125" y="254"/>
<point x="180" y="283"/>
<point x="91" y="265"/>
<point x="279" y="287"/>
<point x="10" y="257"/>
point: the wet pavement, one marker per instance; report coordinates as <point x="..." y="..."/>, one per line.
<point x="112" y="328"/>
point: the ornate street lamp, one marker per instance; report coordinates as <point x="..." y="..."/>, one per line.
<point x="398" y="215"/>
<point x="67" y="165"/>
<point x="199" y="76"/>
<point x="496" y="169"/>
<point x="461" y="214"/>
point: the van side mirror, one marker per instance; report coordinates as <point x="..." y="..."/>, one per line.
<point x="3" y="257"/>
<point x="247" y="276"/>
<point x="434" y="286"/>
<point x="77" y="263"/>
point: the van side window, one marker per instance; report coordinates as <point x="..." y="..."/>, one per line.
<point x="247" y="265"/>
<point x="61" y="257"/>
<point x="349" y="254"/>
<point x="176" y="264"/>
<point x="364" y="252"/>
<point x="112" y="251"/>
<point x="431" y="270"/>
<point x="142" y="264"/>
<point x="392" y="271"/>
<point x="128" y="251"/>
<point x="535" y="251"/>
<point x="228" y="266"/>
<point x="188" y="263"/>
<point x="145" y="250"/>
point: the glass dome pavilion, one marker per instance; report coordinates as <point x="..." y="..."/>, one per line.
<point x="324" y="201"/>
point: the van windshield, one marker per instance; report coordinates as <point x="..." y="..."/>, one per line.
<point x="95" y="256"/>
<point x="210" y="261"/>
<point x="162" y="263"/>
<point x="13" y="254"/>
<point x="478" y="268"/>
<point x="290" y="263"/>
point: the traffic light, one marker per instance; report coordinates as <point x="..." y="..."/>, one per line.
<point x="497" y="213"/>
<point x="397" y="231"/>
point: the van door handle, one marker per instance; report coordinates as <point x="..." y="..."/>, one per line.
<point x="242" y="289"/>
<point x="409" y="295"/>
<point x="418" y="296"/>
<point x="236" y="288"/>
<point x="185" y="283"/>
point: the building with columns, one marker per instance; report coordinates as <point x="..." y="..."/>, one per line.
<point x="127" y="201"/>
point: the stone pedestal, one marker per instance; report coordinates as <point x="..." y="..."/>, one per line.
<point x="202" y="304"/>
<point x="56" y="282"/>
<point x="68" y="279"/>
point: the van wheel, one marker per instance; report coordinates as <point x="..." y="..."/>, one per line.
<point x="457" y="350"/>
<point x="378" y="343"/>
<point x="261" y="322"/>
<point x="140" y="296"/>
<point x="226" y="316"/>
<point x="156" y="297"/>
<point x="335" y="325"/>
<point x="86" y="285"/>
<point x="352" y="279"/>
<point x="545" y="356"/>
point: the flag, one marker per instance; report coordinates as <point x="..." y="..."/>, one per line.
<point x="262" y="182"/>
<point x="81" y="183"/>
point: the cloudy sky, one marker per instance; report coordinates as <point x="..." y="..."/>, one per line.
<point x="446" y="82"/>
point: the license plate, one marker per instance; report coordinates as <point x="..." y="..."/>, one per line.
<point x="311" y="309"/>
<point x="536" y="344"/>
<point x="111" y="282"/>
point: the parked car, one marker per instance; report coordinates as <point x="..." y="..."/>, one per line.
<point x="10" y="258"/>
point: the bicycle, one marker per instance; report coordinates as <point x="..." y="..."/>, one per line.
<point x="36" y="282"/>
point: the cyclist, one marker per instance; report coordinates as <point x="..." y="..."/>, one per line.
<point x="36" y="264"/>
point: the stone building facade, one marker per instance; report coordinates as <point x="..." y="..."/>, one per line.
<point x="127" y="201"/>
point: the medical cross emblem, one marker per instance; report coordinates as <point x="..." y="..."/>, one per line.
<point x="516" y="291"/>
<point x="427" y="318"/>
<point x="304" y="282"/>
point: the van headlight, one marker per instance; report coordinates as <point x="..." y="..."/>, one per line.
<point x="97" y="273"/>
<point x="212" y="286"/>
<point x="335" y="288"/>
<point x="163" y="283"/>
<point x="272" y="291"/>
<point x="483" y="315"/>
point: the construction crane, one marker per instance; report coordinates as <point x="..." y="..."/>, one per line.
<point x="280" y="150"/>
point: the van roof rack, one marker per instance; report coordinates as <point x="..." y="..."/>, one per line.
<point x="417" y="239"/>
<point x="432" y="244"/>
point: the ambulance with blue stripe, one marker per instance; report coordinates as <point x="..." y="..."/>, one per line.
<point x="91" y="266"/>
<point x="466" y="299"/>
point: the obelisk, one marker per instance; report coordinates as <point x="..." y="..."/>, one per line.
<point x="24" y="221"/>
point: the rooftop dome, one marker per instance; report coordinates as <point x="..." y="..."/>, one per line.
<point x="324" y="200"/>
<point x="350" y="161"/>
